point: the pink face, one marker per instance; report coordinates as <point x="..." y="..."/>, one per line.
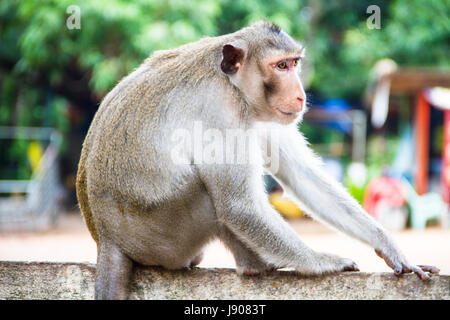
<point x="273" y="83"/>
<point x="283" y="89"/>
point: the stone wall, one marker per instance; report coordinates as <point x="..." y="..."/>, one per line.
<point x="21" y="280"/>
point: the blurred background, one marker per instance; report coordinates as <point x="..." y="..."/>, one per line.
<point x="377" y="86"/>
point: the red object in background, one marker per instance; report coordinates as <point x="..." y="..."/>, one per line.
<point x="422" y="126"/>
<point x="445" y="173"/>
<point x="383" y="188"/>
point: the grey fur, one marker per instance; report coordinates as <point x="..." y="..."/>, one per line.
<point x="141" y="207"/>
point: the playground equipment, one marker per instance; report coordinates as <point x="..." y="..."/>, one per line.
<point x="37" y="206"/>
<point x="428" y="87"/>
<point x="337" y="114"/>
<point x="424" y="207"/>
<point x="386" y="200"/>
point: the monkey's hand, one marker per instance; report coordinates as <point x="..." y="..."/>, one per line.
<point x="401" y="266"/>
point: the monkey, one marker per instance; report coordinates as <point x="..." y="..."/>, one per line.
<point x="143" y="208"/>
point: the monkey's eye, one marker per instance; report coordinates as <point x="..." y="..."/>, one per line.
<point x="282" y="65"/>
<point x="295" y="63"/>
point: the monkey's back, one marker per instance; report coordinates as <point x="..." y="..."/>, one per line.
<point x="127" y="183"/>
<point x="129" y="137"/>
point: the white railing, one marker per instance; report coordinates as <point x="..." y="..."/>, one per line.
<point x="35" y="204"/>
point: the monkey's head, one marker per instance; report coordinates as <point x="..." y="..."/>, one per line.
<point x="264" y="62"/>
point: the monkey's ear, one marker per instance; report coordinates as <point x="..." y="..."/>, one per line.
<point x="232" y="59"/>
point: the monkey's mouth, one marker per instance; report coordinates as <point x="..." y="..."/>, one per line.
<point x="288" y="114"/>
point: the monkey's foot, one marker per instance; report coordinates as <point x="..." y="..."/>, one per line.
<point x="333" y="263"/>
<point x="254" y="270"/>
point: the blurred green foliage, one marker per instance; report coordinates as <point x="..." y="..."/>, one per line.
<point x="116" y="35"/>
<point x="39" y="54"/>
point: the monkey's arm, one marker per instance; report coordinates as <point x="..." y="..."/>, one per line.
<point x="242" y="207"/>
<point x="300" y="173"/>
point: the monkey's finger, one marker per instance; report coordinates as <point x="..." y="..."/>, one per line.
<point x="399" y="270"/>
<point x="430" y="269"/>
<point x="406" y="269"/>
<point x="421" y="274"/>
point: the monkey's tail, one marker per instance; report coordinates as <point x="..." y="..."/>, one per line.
<point x="82" y="195"/>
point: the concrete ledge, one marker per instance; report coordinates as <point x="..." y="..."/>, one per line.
<point x="34" y="280"/>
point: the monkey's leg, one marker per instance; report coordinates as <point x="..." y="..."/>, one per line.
<point x="247" y="262"/>
<point x="242" y="206"/>
<point x="114" y="270"/>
